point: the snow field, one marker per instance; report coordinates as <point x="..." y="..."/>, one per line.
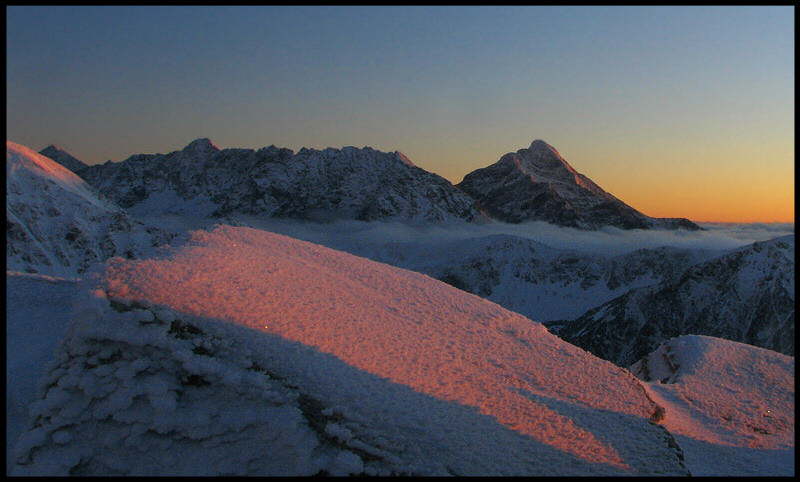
<point x="725" y="401"/>
<point x="364" y="368"/>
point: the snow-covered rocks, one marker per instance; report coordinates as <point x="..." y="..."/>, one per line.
<point x="729" y="405"/>
<point x="57" y="225"/>
<point x="349" y="183"/>
<point x="245" y="352"/>
<point x="745" y="295"/>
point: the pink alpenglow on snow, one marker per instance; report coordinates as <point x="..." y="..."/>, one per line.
<point x="729" y="405"/>
<point x="399" y="325"/>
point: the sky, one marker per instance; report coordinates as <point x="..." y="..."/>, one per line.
<point x="678" y="111"/>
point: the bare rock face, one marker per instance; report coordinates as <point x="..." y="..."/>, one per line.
<point x="537" y="184"/>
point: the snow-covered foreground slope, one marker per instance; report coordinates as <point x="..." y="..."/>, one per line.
<point x="58" y="225"/>
<point x="246" y="352"/>
<point x="729" y="405"/>
<point x="37" y="312"/>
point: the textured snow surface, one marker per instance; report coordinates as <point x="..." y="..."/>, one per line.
<point x="245" y="352"/>
<point x="729" y="405"/>
<point x="516" y="271"/>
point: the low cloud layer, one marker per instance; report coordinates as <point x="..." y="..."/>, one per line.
<point x="610" y="241"/>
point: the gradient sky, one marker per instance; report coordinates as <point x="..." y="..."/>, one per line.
<point x="677" y="111"/>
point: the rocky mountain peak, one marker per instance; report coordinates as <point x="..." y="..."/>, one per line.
<point x="403" y="158"/>
<point x="537" y="184"/>
<point x="62" y="157"/>
<point x="544" y="162"/>
<point x="52" y="149"/>
<point x="200" y="147"/>
<point x="541" y="150"/>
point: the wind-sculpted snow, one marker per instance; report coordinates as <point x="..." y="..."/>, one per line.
<point x="746" y="295"/>
<point x="250" y="353"/>
<point x="729" y="405"/>
<point x="58" y="225"/>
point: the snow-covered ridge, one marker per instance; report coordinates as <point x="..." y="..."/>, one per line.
<point x="335" y="363"/>
<point x="346" y="183"/>
<point x="746" y="295"/>
<point x="24" y="165"/>
<point x="729" y="405"/>
<point x="538" y="281"/>
<point x="58" y="225"/>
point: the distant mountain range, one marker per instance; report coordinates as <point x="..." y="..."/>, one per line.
<point x="350" y="183"/>
<point x="534" y="184"/>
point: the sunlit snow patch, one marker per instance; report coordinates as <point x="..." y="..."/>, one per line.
<point x="246" y="352"/>
<point x="729" y="405"/>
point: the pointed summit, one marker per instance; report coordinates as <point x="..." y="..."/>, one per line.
<point x="537" y="184"/>
<point x="201" y="146"/>
<point x="402" y="157"/>
<point x="543" y="163"/>
<point x="541" y="150"/>
<point x="62" y="157"/>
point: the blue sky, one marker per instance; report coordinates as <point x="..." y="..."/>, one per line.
<point x="653" y="103"/>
